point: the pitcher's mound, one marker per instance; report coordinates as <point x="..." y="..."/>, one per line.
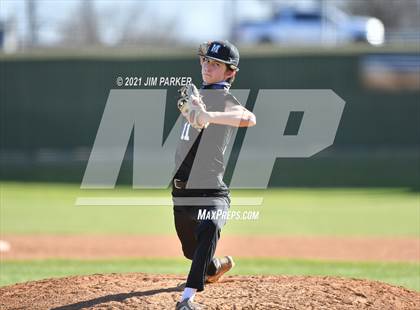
<point x="143" y="291"/>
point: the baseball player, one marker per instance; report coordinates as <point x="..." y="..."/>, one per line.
<point x="198" y="188"/>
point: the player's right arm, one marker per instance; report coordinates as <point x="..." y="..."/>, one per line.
<point x="234" y="115"/>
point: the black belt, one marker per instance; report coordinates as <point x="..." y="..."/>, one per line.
<point x="178" y="184"/>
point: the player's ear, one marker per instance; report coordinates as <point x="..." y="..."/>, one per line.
<point x="230" y="73"/>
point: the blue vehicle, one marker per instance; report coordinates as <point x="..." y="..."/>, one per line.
<point x="311" y="26"/>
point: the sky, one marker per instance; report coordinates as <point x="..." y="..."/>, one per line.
<point x="195" y="21"/>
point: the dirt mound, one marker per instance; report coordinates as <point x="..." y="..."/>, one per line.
<point x="143" y="291"/>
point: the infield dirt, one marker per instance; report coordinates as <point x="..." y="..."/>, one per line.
<point x="312" y="247"/>
<point x="143" y="291"/>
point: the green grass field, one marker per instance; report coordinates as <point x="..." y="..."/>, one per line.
<point x="36" y="208"/>
<point x="50" y="209"/>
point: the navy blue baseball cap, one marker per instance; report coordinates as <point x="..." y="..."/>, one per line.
<point x="222" y="51"/>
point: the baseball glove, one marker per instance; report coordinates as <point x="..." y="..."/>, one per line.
<point x="191" y="105"/>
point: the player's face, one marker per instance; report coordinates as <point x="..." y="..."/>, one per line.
<point x="213" y="71"/>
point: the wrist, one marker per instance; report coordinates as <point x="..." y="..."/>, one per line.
<point x="204" y="117"/>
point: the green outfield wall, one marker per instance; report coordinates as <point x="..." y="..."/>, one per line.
<point x="51" y="106"/>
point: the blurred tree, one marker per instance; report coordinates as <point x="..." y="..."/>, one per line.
<point x="114" y="25"/>
<point x="142" y="25"/>
<point x="32" y="22"/>
<point x="81" y="28"/>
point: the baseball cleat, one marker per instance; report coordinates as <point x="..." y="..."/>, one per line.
<point x="226" y="264"/>
<point x="187" y="304"/>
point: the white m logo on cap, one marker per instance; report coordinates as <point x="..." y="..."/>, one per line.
<point x="215" y="48"/>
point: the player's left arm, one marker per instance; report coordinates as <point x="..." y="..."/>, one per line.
<point x="234" y="115"/>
